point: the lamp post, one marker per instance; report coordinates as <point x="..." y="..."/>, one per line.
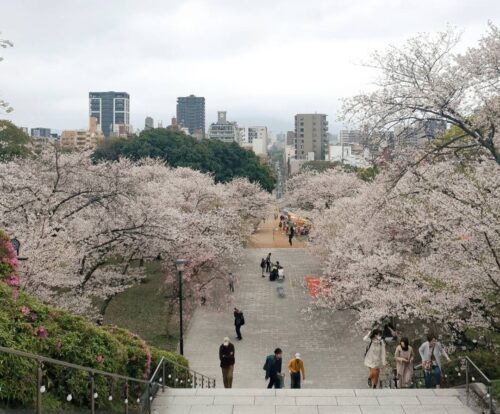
<point x="179" y="263"/>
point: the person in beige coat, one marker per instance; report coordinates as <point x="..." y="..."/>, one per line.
<point x="404" y="363"/>
<point x="375" y="356"/>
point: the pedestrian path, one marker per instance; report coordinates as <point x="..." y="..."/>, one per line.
<point x="309" y="401"/>
<point x="269" y="235"/>
<point x="330" y="345"/>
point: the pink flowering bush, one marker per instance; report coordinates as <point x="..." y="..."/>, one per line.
<point x="8" y="262"/>
<point x="28" y="325"/>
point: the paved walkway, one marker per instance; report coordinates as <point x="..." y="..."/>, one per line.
<point x="269" y="235"/>
<point x="330" y="346"/>
<point x="332" y="401"/>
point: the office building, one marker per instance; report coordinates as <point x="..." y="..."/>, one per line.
<point x="112" y="111"/>
<point x="40" y="132"/>
<point x="149" y="123"/>
<point x="258" y="136"/>
<point x="311" y="136"/>
<point x="191" y="113"/>
<point x="223" y="130"/>
<point x="418" y="133"/>
<point x="350" y="136"/>
<point x="175" y="126"/>
<point x="82" y="138"/>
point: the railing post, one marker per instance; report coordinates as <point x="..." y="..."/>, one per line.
<point x="490" y="399"/>
<point x="126" y="398"/>
<point x="202" y="381"/>
<point x="467" y="388"/>
<point x="92" y="391"/>
<point x="148" y="394"/>
<point x="38" y="388"/>
<point x="163" y="377"/>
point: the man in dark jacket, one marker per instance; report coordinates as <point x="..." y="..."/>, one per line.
<point x="268" y="263"/>
<point x="226" y="356"/>
<point x="272" y="367"/>
<point x="239" y="321"/>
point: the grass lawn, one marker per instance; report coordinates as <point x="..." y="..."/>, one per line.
<point x="143" y="310"/>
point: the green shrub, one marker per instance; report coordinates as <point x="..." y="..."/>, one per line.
<point x="30" y="326"/>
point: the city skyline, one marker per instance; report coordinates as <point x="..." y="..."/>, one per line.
<point x="249" y="70"/>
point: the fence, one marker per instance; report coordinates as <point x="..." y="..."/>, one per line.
<point x="135" y="392"/>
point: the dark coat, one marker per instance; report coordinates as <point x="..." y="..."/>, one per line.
<point x="239" y="319"/>
<point x="272" y="366"/>
<point x="226" y="355"/>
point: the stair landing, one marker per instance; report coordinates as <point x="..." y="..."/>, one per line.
<point x="309" y="401"/>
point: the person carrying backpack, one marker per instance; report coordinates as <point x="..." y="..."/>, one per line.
<point x="239" y="321"/>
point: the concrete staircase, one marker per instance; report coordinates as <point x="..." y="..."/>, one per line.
<point x="309" y="401"/>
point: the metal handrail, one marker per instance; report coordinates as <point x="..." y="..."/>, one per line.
<point x="150" y="384"/>
<point x="489" y="382"/>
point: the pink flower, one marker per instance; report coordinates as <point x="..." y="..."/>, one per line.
<point x="25" y="310"/>
<point x="41" y="332"/>
<point x="99" y="359"/>
<point x="13" y="280"/>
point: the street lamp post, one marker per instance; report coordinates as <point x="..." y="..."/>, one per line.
<point x="179" y="263"/>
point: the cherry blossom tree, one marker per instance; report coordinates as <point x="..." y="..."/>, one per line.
<point x="425" y="80"/>
<point x="83" y="224"/>
<point x="425" y="249"/>
<point x="4" y="43"/>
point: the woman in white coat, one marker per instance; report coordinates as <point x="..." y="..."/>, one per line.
<point x="374" y="356"/>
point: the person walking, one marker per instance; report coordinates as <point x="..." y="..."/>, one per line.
<point x="431" y="353"/>
<point x="239" y="321"/>
<point x="268" y="263"/>
<point x="296" y="367"/>
<point x="404" y="363"/>
<point x="272" y="366"/>
<point x="375" y="357"/>
<point x="291" y="233"/>
<point x="263" y="266"/>
<point x="231" y="282"/>
<point x="226" y="356"/>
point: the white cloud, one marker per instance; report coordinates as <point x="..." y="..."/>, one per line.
<point x="261" y="60"/>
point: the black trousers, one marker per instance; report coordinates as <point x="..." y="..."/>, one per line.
<point x="295" y="380"/>
<point x="274" y="381"/>
<point x="238" y="331"/>
<point x="268" y="266"/>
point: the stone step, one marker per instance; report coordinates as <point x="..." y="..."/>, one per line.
<point x="309" y="401"/>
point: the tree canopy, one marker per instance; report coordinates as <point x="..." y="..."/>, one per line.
<point x="13" y="141"/>
<point x="225" y="161"/>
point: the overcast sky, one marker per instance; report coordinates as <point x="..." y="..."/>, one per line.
<point x="260" y="60"/>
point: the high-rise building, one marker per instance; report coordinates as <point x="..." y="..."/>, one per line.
<point x="40" y="132"/>
<point x="191" y="113"/>
<point x="311" y="136"/>
<point x="290" y="138"/>
<point x="257" y="132"/>
<point x="112" y="110"/>
<point x="149" y="123"/>
<point x="224" y="130"/>
<point x="350" y="136"/>
<point x="258" y="136"/>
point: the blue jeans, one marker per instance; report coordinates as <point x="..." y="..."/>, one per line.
<point x="435" y="372"/>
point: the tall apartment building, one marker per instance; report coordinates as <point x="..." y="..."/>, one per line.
<point x="40" y="132"/>
<point x="191" y="113"/>
<point x="350" y="136"/>
<point x="112" y="110"/>
<point x="82" y="138"/>
<point x="224" y="130"/>
<point x="258" y="136"/>
<point x="149" y="123"/>
<point x="311" y="136"/>
<point x="290" y="138"/>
